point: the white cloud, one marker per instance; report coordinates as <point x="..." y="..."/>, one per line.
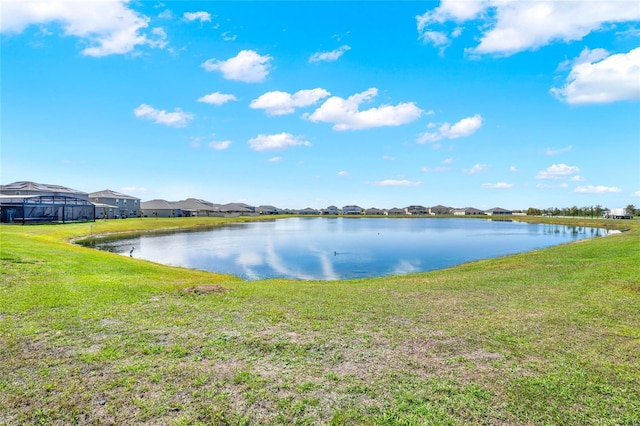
<point x="178" y="118"/>
<point x="599" y="189"/>
<point x="217" y="98"/>
<point x="393" y="182"/>
<point x="331" y="56"/>
<point x="557" y="172"/>
<point x="636" y="194"/>
<point x="219" y="145"/>
<point x="197" y="16"/>
<point x="274" y="159"/>
<point x="550" y="151"/>
<point x="513" y="169"/>
<point x="499" y="185"/>
<point x="345" y="113"/>
<point x="514" y="26"/>
<point x="281" y="103"/>
<point x="276" y="142"/>
<point x="342" y="173"/>
<point x="388" y="158"/>
<point x="165" y="14"/>
<point x="577" y="178"/>
<point x="602" y="78"/>
<point x="465" y="127"/>
<point x="106" y="27"/>
<point x="247" y="66"/>
<point x="477" y="168"/>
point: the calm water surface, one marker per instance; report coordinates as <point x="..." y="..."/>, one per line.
<point x="341" y="248"/>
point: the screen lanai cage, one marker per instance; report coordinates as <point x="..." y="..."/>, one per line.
<point x="42" y="208"/>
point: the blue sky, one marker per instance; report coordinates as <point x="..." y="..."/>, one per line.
<point x="298" y="104"/>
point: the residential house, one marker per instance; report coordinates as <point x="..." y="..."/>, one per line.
<point x="497" y="211"/>
<point x="351" y="210"/>
<point x="439" y="210"/>
<point x="111" y="204"/>
<point x="468" y="211"/>
<point x="374" y="211"/>
<point x="31" y="202"/>
<point x="395" y="212"/>
<point x="308" y="211"/>
<point x="331" y="210"/>
<point x="416" y="210"/>
<point x="197" y="207"/>
<point x="266" y="210"/>
<point x="160" y="208"/>
<point x="237" y="209"/>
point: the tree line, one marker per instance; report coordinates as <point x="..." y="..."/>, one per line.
<point x="586" y="211"/>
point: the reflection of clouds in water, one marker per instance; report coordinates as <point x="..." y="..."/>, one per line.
<point x="276" y="263"/>
<point x="247" y="259"/>
<point x="326" y="264"/>
<point x="407" y="267"/>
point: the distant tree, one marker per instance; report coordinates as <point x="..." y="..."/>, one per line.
<point x="531" y="211"/>
<point x="597" y="210"/>
<point x="631" y="209"/>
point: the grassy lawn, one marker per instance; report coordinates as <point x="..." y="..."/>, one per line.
<point x="547" y="337"/>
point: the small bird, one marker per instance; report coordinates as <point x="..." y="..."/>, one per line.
<point x="131" y="252"/>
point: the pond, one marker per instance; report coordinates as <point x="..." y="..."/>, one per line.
<point x="342" y="248"/>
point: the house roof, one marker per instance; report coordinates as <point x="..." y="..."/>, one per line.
<point x="39" y="187"/>
<point x="158" y="205"/>
<point x="195" y="204"/>
<point x="108" y="193"/>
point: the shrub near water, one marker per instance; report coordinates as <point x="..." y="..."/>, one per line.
<point x="546" y="337"/>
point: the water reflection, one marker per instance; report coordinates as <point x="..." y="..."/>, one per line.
<point x="337" y="248"/>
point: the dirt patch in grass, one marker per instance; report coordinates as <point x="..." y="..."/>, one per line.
<point x="205" y="289"/>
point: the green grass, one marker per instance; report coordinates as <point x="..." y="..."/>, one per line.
<point x="545" y="337"/>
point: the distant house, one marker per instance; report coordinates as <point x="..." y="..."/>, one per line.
<point x="31" y="202"/>
<point x="497" y="211"/>
<point x="351" y="209"/>
<point x="439" y="210"/>
<point x="112" y="204"/>
<point x="197" y="207"/>
<point x="374" y="211"/>
<point x="237" y="209"/>
<point x="160" y="208"/>
<point x="265" y="210"/>
<point x="331" y="210"/>
<point x="308" y="211"/>
<point x="416" y="210"/>
<point x="395" y="212"/>
<point x="468" y="211"/>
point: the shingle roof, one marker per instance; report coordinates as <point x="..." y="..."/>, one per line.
<point x="108" y="193"/>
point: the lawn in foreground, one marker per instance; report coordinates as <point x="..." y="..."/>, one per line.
<point x="546" y="337"/>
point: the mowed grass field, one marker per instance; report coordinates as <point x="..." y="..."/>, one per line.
<point x="549" y="337"/>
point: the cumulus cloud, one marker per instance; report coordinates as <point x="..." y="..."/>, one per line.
<point x="394" y="182"/>
<point x="106" y="27"/>
<point x="597" y="77"/>
<point x="274" y="159"/>
<point x="197" y="16"/>
<point x="342" y="173"/>
<point x="513" y="169"/>
<point x="217" y="98"/>
<point x="331" y="56"/>
<point x="509" y="27"/>
<point x="281" y="103"/>
<point x="247" y="66"/>
<point x="465" y="127"/>
<point x="499" y="185"/>
<point x="345" y="114"/>
<point x="219" y="145"/>
<point x="557" y="172"/>
<point x="477" y="168"/>
<point x="599" y="189"/>
<point x="276" y="142"/>
<point x="178" y="118"/>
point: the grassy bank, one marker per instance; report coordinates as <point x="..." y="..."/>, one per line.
<point x="546" y="337"/>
